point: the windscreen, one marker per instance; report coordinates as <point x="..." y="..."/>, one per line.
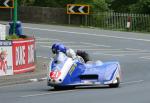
<point x="60" y="58"/>
<point x="59" y="61"/>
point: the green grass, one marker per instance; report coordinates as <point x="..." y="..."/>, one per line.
<point x="12" y="37"/>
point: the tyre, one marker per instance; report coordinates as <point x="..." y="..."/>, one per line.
<point x="63" y="87"/>
<point x="58" y="87"/>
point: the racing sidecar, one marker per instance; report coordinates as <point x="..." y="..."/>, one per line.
<point x="66" y="72"/>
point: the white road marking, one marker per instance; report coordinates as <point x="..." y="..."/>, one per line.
<point x="33" y="80"/>
<point x="50" y="39"/>
<point x="120" y="54"/>
<point x="44" y="78"/>
<point x="79" y="46"/>
<point x="132" y="82"/>
<point x="45" y="46"/>
<point x="38" y="79"/>
<point x="73" y="46"/>
<point x="82" y="33"/>
<point x="108" y="54"/>
<point x="39" y="42"/>
<point x="68" y="42"/>
<point x="133" y="49"/>
<point x="116" y="51"/>
<point x="145" y="57"/>
<point x="116" y="55"/>
<point x="50" y="42"/>
<point x="42" y="94"/>
<point x="133" y="53"/>
<point x="43" y="57"/>
<point x="95" y="44"/>
<point x="101" y="49"/>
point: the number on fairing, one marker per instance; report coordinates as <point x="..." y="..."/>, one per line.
<point x="55" y="74"/>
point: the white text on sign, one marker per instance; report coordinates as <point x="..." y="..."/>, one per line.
<point x="20" y="55"/>
<point x="30" y="54"/>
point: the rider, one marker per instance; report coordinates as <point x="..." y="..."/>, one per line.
<point x="58" y="47"/>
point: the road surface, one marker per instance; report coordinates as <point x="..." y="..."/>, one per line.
<point x="132" y="50"/>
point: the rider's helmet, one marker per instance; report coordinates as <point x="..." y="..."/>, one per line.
<point x="60" y="48"/>
<point x="54" y="49"/>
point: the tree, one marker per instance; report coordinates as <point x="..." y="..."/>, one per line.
<point x="26" y="2"/>
<point x="135" y="6"/>
<point x="121" y="5"/>
<point x="131" y="6"/>
<point x="142" y="6"/>
<point x="52" y="3"/>
<point x="99" y="5"/>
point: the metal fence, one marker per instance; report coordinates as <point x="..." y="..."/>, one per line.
<point x="118" y="21"/>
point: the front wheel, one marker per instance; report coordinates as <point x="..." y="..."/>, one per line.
<point x="58" y="87"/>
<point x="63" y="87"/>
<point x="115" y="85"/>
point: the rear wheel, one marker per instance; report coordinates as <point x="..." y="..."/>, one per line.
<point x="115" y="85"/>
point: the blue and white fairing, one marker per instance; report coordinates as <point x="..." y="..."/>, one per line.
<point x="64" y="71"/>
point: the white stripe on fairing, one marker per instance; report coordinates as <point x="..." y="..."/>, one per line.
<point x="81" y="33"/>
<point x="30" y="68"/>
<point x="65" y="69"/>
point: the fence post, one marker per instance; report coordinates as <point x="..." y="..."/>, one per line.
<point x="69" y="19"/>
<point x="85" y="20"/>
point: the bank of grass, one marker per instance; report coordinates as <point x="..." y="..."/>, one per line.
<point x="12" y="37"/>
<point x="15" y="37"/>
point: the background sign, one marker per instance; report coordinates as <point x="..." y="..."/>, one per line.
<point x="77" y="9"/>
<point x="6" y="3"/>
<point x="6" y="65"/>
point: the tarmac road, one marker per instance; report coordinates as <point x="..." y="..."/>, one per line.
<point x="38" y="92"/>
<point x="132" y="50"/>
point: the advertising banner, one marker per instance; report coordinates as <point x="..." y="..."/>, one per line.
<point x="23" y="56"/>
<point x="6" y="61"/>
